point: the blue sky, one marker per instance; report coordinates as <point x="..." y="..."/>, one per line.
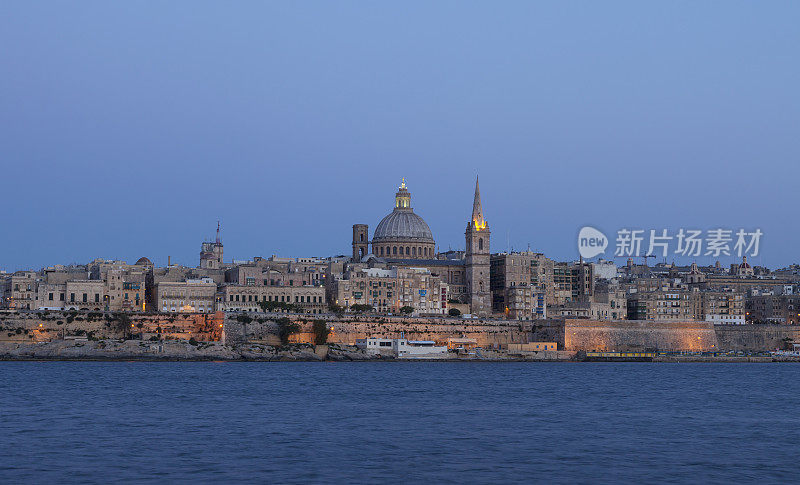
<point x="128" y="128"/>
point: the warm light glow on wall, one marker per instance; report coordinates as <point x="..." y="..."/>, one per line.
<point x="479" y="226"/>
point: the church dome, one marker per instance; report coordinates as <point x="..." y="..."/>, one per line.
<point x="403" y="224"/>
<point x="144" y="262"/>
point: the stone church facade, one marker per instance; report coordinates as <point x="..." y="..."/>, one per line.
<point x="403" y="239"/>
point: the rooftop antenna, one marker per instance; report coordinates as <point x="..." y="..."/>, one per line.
<point x="217" y="231"/>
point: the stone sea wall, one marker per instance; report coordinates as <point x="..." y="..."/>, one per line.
<point x="263" y="329"/>
<point x="757" y="338"/>
<point x="637" y="335"/>
<point x="346" y="331"/>
<point x="27" y="327"/>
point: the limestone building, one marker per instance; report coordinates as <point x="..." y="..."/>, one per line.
<point x="190" y="296"/>
<point x="247" y="298"/>
<point x="20" y="291"/>
<point x="389" y="290"/>
<point x="211" y="253"/>
<point x="84" y="295"/>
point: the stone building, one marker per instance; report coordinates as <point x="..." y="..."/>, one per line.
<point x="679" y="302"/>
<point x="783" y="309"/>
<point x="124" y="284"/>
<point x="84" y="295"/>
<point x="742" y="270"/>
<point x="725" y="307"/>
<point x="516" y="285"/>
<point x="389" y="290"/>
<point x="211" y="253"/>
<point x="20" y="291"/>
<point x="247" y="298"/>
<point x="585" y="309"/>
<point x="611" y="293"/>
<point x="279" y="272"/>
<point x="190" y="296"/>
<point x="51" y="296"/>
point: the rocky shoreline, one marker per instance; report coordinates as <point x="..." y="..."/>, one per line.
<point x="110" y="350"/>
<point x="171" y="351"/>
<point x="183" y="351"/>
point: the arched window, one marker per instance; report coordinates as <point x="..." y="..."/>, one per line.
<point x="381" y="250"/>
<point x="362" y="237"/>
<point x="480" y="244"/>
<point x="408" y="251"/>
<point x="413" y="251"/>
<point x="394" y="250"/>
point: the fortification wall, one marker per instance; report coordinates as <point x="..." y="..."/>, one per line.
<point x="757" y="338"/>
<point x="571" y="334"/>
<point x="638" y="335"/>
<point x="26" y="327"/>
<point x="487" y="333"/>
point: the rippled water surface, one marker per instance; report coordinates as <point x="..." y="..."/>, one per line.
<point x="398" y="422"/>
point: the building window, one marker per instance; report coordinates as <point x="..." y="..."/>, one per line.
<point x="480" y="244"/>
<point x="50" y="297"/>
<point x="85" y="297"/>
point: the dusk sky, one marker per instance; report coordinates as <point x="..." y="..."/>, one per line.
<point x="128" y="131"/>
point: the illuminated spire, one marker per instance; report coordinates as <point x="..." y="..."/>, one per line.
<point x="477" y="211"/>
<point x="402" y="199"/>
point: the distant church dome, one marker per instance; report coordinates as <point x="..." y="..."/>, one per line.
<point x="144" y="262"/>
<point x="402" y="223"/>
<point x="403" y="234"/>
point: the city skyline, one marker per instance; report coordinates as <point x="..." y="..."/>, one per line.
<point x="611" y="116"/>
<point x="182" y="258"/>
<point x="360" y="242"/>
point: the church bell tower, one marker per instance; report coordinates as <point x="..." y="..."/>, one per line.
<point x="477" y="259"/>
